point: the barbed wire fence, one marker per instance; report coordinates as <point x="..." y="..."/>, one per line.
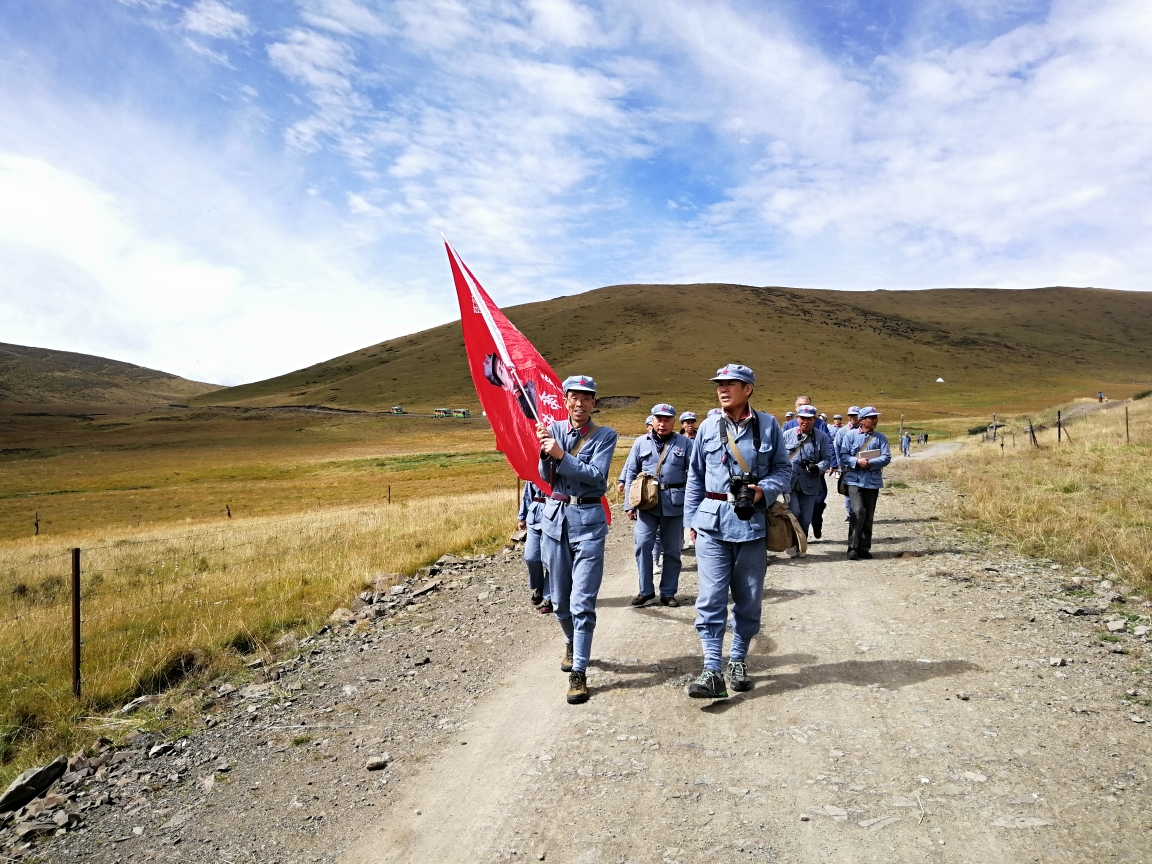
<point x="92" y="593"/>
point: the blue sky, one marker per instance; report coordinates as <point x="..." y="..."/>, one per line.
<point x="229" y="190"/>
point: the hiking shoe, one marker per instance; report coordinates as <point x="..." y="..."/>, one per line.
<point x="545" y="608"/>
<point x="867" y="556"/>
<point x="738" y="675"/>
<point x="817" y="528"/>
<point x="853" y="555"/>
<point x="537" y="597"/>
<point x="710" y="685"/>
<point x="577" y="688"/>
<point x="566" y="663"/>
<point x="670" y="601"/>
<point x="641" y="599"/>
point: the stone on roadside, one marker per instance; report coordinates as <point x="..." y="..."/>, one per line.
<point x="1057" y="661"/>
<point x="161" y="750"/>
<point x="342" y="616"/>
<point x="378" y="763"/>
<point x="32" y="784"/>
<point x="1141" y="630"/>
<point x="1116" y="626"/>
<point x="398" y="589"/>
<point x="225" y="689"/>
<point x="140" y="702"/>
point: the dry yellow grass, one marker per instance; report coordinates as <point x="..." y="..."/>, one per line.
<point x="1086" y="500"/>
<point x="151" y="596"/>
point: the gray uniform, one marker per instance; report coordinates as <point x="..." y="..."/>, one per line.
<point x="663" y="523"/>
<point x="731" y="553"/>
<point x="806" y="488"/>
<point x="574" y="526"/>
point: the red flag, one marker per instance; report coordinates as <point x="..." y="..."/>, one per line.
<point x="515" y="384"/>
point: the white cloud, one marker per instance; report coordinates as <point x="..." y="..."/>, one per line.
<point x="213" y="18"/>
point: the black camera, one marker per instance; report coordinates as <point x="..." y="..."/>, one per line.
<point x="812" y="466"/>
<point x="743" y="489"/>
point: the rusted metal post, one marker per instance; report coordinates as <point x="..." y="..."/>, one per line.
<point x="389" y="494"/>
<point x="1127" y="437"/>
<point x="1059" y="427"/>
<point x="76" y="623"/>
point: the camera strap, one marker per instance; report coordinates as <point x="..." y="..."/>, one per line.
<point x="733" y="449"/>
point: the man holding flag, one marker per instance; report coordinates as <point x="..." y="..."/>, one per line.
<point x="575" y="458"/>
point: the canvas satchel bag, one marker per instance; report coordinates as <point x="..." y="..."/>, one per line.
<point x="784" y="529"/>
<point x="644" y="494"/>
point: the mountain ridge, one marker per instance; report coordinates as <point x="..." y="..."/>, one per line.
<point x="994" y="348"/>
<point x="47" y="376"/>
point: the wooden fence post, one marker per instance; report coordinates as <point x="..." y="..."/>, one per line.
<point x="76" y="623"/>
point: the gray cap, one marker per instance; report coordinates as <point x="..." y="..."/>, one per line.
<point x="580" y="382"/>
<point x="735" y="372"/>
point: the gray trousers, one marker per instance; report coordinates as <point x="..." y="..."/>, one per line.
<point x="860" y="517"/>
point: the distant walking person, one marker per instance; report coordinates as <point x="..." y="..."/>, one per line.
<point x="810" y="453"/>
<point x="528" y="519"/>
<point x="575" y="457"/>
<point x="738" y="466"/>
<point x="853" y="416"/>
<point x="906" y="444"/>
<point x="817" y="519"/>
<point x="662" y="454"/>
<point x="864" y="453"/>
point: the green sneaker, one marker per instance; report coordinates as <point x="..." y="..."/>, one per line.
<point x="738" y="675"/>
<point x="710" y="685"/>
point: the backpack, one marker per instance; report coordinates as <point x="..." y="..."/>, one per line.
<point x="784" y="529"/>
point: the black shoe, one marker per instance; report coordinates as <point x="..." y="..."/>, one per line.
<point x="670" y="601"/>
<point x="817" y="529"/>
<point x="867" y="556"/>
<point x="577" y="688"/>
<point x="710" y="685"/>
<point x="537" y="597"/>
<point x="738" y="675"/>
<point x="847" y="518"/>
<point x="545" y="608"/>
<point x="852" y="555"/>
<point x="641" y="599"/>
<point x="566" y="663"/>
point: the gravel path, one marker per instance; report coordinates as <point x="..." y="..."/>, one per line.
<point x="935" y="705"/>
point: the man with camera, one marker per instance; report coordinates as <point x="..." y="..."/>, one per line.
<point x="810" y="453"/>
<point x="575" y="457"/>
<point x="738" y="467"/>
<point x="864" y="454"/>
<point x="657" y="463"/>
<point x="817" y="519"/>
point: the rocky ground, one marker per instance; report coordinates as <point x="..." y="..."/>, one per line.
<point x="947" y="701"/>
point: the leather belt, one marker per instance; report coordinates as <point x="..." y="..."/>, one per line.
<point x="717" y="496"/>
<point x="568" y="499"/>
<point x="539" y="499"/>
<point x="673" y="485"/>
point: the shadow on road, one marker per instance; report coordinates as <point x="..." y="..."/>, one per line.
<point x="890" y="674"/>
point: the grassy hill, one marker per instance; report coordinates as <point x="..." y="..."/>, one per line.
<point x="996" y="350"/>
<point x="41" y="375"/>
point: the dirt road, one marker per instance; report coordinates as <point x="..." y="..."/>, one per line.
<point x="951" y="703"/>
<point x="904" y="709"/>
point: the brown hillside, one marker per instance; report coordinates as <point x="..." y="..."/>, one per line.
<point x="996" y="349"/>
<point x="42" y="375"/>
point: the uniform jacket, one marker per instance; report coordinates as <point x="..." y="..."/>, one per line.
<point x="711" y="467"/>
<point x="673" y="472"/>
<point x="582" y="476"/>
<point x="815" y="446"/>
<point x="851" y="442"/>
<point x="530" y="511"/>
